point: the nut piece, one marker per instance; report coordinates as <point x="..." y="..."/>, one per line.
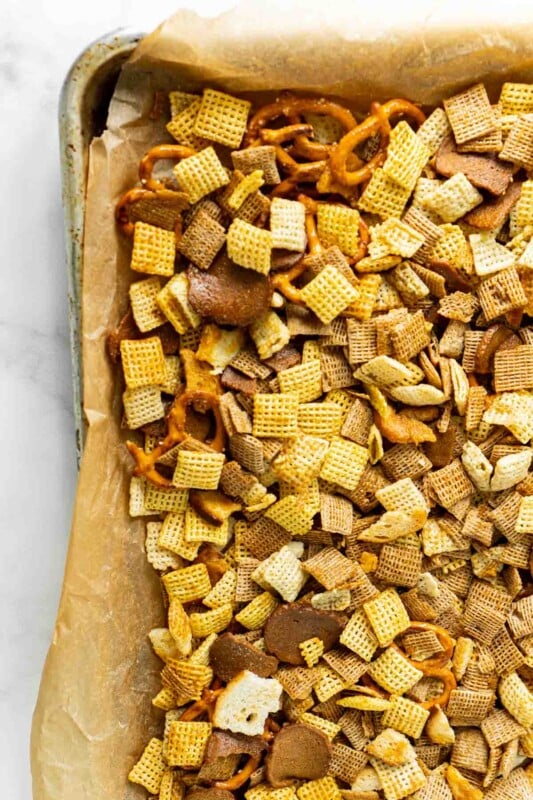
<point x="292" y="624"/>
<point x="246" y="702"/>
<point x="229" y="656"/>
<point x="298" y="752"/>
<point x="392" y="747"/>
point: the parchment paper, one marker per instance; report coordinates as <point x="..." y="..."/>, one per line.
<point x="94" y="713"/>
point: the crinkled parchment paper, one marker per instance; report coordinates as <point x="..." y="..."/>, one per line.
<point x="94" y="713"/>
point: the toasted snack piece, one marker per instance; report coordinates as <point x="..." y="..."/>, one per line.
<point x="399" y="781"/>
<point x="453" y="198"/>
<point x="489" y="256"/>
<point x="150" y="768"/>
<point x="228" y="294"/>
<point x="483" y="171"/>
<point x="516" y="698"/>
<point x="246" y="702"/>
<point x="222" y="118"/>
<point x="290" y="625"/>
<point x="383" y="196"/>
<point x="491" y="214"/>
<point x="229" y="656"/>
<point x="329" y="293"/>
<point x="392" y="748"/>
<point x="250" y="247"/>
<point x="201" y="174"/>
<point x="406" y="156"/>
<point x="186" y="743"/>
<point x="298" y="752"/>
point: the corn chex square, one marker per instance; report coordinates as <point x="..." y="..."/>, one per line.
<point x="198" y="470"/>
<point x="300" y="460"/>
<point x="303" y="380"/>
<point x="142" y="405"/>
<point x="201" y="174"/>
<point x="282" y="573"/>
<point x="150" y="768"/>
<point x="154" y="250"/>
<point x="489" y="255"/>
<point x="173" y="300"/>
<point x="328" y="294"/>
<point x="143" y="362"/>
<point x="387" y="616"/>
<point x="222" y="118"/>
<point x="406" y="156"/>
<point x="206" y="623"/>
<point x="287" y="224"/>
<point x="172" y="536"/>
<point x="399" y="781"/>
<point x="321" y="789"/>
<point x="344" y="463"/>
<point x="405" y="716"/>
<point x="516" y="98"/>
<point x="181" y="126"/>
<point x="401" y="495"/>
<point x="434" y="130"/>
<point x="186" y="743"/>
<point x="524" y="206"/>
<point x="320" y="419"/>
<point x="254" y="615"/>
<point x="249" y="246"/>
<point x="338" y="225"/>
<point x="401" y="238"/>
<point x="383" y="196"/>
<point x="275" y="415"/>
<point x="518" y="146"/>
<point x="187" y="584"/>
<point x="197" y="529"/>
<point x="146" y="313"/>
<point x="453" y="198"/>
<point x="359" y="637"/>
<point x="394" y="672"/>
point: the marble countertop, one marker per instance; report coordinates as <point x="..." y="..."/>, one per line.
<point x="38" y="43"/>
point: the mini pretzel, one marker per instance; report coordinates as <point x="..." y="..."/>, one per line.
<point x="434" y="667"/>
<point x="131" y="197"/>
<point x="378" y="121"/>
<point x="146" y="462"/>
<point x="205" y="704"/>
<point x="171" y="151"/>
<point x="290" y="106"/>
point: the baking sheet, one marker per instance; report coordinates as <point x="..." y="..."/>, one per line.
<point x="93" y="714"/>
<point x="83" y="108"/>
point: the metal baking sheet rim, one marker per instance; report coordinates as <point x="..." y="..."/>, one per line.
<point x="83" y="107"/>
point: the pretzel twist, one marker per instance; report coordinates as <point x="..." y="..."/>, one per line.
<point x="175" y="152"/>
<point x="146" y="462"/>
<point x="377" y="122"/>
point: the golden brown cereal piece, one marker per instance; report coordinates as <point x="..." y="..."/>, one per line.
<point x="501" y="293"/>
<point x="328" y="293"/>
<point x="150" y="768"/>
<point x="516" y="98"/>
<point x="181" y="126"/>
<point x="254" y="615"/>
<point x="200" y="174"/>
<point x="275" y="415"/>
<point x="387" y="616"/>
<point x="453" y="198"/>
<point x="405" y="716"/>
<point x="518" y="146"/>
<point x="517" y="698"/>
<point x="461" y="788"/>
<point x="269" y="334"/>
<point x="190" y="583"/>
<point x="406" y="156"/>
<point x="186" y="743"/>
<point x="344" y="463"/>
<point x="489" y="256"/>
<point x="145" y="310"/>
<point x="142" y="406"/>
<point x="399" y="781"/>
<point x="154" y="250"/>
<point x="143" y="362"/>
<point x="249" y="247"/>
<point x="222" y="118"/>
<point x="383" y="196"/>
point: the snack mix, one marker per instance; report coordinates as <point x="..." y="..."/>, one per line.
<point x="328" y="366"/>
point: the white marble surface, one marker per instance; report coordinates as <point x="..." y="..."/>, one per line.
<point x="38" y="42"/>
